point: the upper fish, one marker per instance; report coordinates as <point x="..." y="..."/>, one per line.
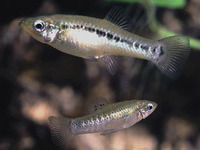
<point x="106" y="119"/>
<point x="94" y="38"/>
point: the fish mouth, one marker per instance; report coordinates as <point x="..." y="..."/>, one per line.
<point x="155" y="106"/>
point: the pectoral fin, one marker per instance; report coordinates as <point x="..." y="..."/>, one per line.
<point x="111" y="64"/>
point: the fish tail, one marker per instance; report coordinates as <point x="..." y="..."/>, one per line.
<point x="173" y="55"/>
<point x="60" y="130"/>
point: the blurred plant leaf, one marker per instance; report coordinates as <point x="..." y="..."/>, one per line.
<point x="160" y="30"/>
<point x="159" y="3"/>
<point x="163" y="32"/>
<point x="154" y="25"/>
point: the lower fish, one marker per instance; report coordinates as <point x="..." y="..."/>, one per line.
<point x="93" y="38"/>
<point x="105" y="119"/>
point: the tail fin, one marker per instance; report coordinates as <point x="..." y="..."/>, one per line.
<point x="60" y="130"/>
<point x="176" y="51"/>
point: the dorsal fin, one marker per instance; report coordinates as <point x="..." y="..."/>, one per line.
<point x="119" y="17"/>
<point x="139" y="18"/>
<point x="99" y="103"/>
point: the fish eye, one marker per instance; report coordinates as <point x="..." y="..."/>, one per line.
<point x="39" y="25"/>
<point x="149" y="106"/>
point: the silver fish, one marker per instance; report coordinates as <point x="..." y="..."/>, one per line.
<point x="108" y="119"/>
<point x="94" y="38"/>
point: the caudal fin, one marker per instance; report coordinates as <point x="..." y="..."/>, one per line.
<point x="175" y="52"/>
<point x="60" y="131"/>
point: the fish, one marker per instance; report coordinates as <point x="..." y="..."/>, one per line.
<point x="93" y="38"/>
<point x="107" y="119"/>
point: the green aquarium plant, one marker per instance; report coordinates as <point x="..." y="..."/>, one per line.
<point x="159" y="3"/>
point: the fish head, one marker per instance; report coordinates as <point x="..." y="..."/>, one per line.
<point x="41" y="28"/>
<point x="147" y="108"/>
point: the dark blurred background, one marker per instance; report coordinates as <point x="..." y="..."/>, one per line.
<point x="37" y="81"/>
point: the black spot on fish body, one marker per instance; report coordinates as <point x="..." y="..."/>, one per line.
<point x="89" y="29"/>
<point x="161" y="51"/>
<point x="77" y="26"/>
<point x="117" y="39"/>
<point x="86" y="28"/>
<point x="100" y="32"/>
<point x="109" y="36"/>
<point x="73" y="27"/>
<point x="103" y="33"/>
<point x="97" y="31"/>
<point x="137" y="45"/>
<point x="64" y="26"/>
<point x="144" y="47"/>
